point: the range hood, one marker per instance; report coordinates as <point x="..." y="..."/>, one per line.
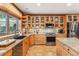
<point x="49" y="25"/>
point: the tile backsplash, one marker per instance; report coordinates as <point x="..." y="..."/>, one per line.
<point x="43" y="31"/>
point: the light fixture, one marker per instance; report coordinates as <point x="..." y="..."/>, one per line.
<point x="38" y="4"/>
<point x="69" y="4"/>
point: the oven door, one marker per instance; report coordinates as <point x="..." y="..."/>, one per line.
<point x="51" y="41"/>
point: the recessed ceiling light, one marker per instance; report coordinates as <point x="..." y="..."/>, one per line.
<point x="69" y="4"/>
<point x="38" y="4"/>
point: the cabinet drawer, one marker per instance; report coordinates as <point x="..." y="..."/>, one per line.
<point x="73" y="53"/>
<point x="65" y="47"/>
<point x="65" y="53"/>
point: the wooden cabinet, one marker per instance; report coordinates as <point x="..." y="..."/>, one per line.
<point x="72" y="18"/>
<point x="21" y="48"/>
<point x="8" y="53"/>
<point x="73" y="53"/>
<point x="42" y="22"/>
<point x="59" y="48"/>
<point x="18" y="50"/>
<point x="33" y="21"/>
<point x="39" y="22"/>
<point x="72" y="23"/>
<point x="32" y="40"/>
<point x="24" y="23"/>
<point x="63" y="50"/>
<point x="26" y="45"/>
<point x="40" y="39"/>
<point x="66" y="51"/>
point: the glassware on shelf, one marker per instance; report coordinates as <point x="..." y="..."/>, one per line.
<point x="47" y="19"/>
<point x="61" y="20"/>
<point x="51" y="18"/>
<point x="69" y="18"/>
<point x="56" y="20"/>
<point x="74" y="18"/>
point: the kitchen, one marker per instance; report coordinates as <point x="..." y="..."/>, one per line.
<point x="38" y="29"/>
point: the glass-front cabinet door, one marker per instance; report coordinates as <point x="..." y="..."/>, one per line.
<point x="72" y="25"/>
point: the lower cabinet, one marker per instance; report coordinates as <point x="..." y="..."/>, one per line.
<point x="64" y="50"/>
<point x="40" y="39"/>
<point x="22" y="48"/>
<point x="65" y="53"/>
<point x="32" y="40"/>
<point x="17" y="50"/>
<point x="59" y="48"/>
<point x="73" y="53"/>
<point x="8" y="53"/>
<point x="26" y="45"/>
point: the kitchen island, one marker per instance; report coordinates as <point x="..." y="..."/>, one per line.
<point x="67" y="47"/>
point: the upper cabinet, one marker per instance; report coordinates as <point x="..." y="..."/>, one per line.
<point x="41" y="21"/>
<point x="72" y="18"/>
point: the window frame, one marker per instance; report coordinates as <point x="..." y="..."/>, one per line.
<point x="8" y="24"/>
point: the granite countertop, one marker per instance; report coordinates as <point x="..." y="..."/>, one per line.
<point x="72" y="43"/>
<point x="4" y="50"/>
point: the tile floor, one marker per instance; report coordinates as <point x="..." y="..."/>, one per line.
<point x="42" y="50"/>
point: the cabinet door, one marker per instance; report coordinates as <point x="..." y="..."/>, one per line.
<point x="25" y="46"/>
<point x="65" y="53"/>
<point x="59" y="48"/>
<point x="40" y="39"/>
<point x="18" y="50"/>
<point x="73" y="53"/>
<point x="32" y="40"/>
<point x="69" y="18"/>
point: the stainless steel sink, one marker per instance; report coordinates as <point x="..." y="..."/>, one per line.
<point x="19" y="37"/>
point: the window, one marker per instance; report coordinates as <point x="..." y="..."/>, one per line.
<point x="2" y="22"/>
<point x="17" y="25"/>
<point x="8" y="24"/>
<point x="12" y="24"/>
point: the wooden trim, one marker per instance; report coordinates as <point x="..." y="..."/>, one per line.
<point x="17" y="8"/>
<point x="4" y="9"/>
<point x="48" y="14"/>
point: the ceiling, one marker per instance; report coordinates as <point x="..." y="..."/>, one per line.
<point x="48" y="8"/>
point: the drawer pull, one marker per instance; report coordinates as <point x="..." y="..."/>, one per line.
<point x="68" y="49"/>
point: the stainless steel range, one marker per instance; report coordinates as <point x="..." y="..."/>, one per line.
<point x="50" y="35"/>
<point x="50" y="39"/>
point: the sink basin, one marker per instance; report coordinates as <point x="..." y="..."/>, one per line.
<point x="19" y="37"/>
<point x="7" y="42"/>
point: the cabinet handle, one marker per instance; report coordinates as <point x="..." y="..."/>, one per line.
<point x="68" y="49"/>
